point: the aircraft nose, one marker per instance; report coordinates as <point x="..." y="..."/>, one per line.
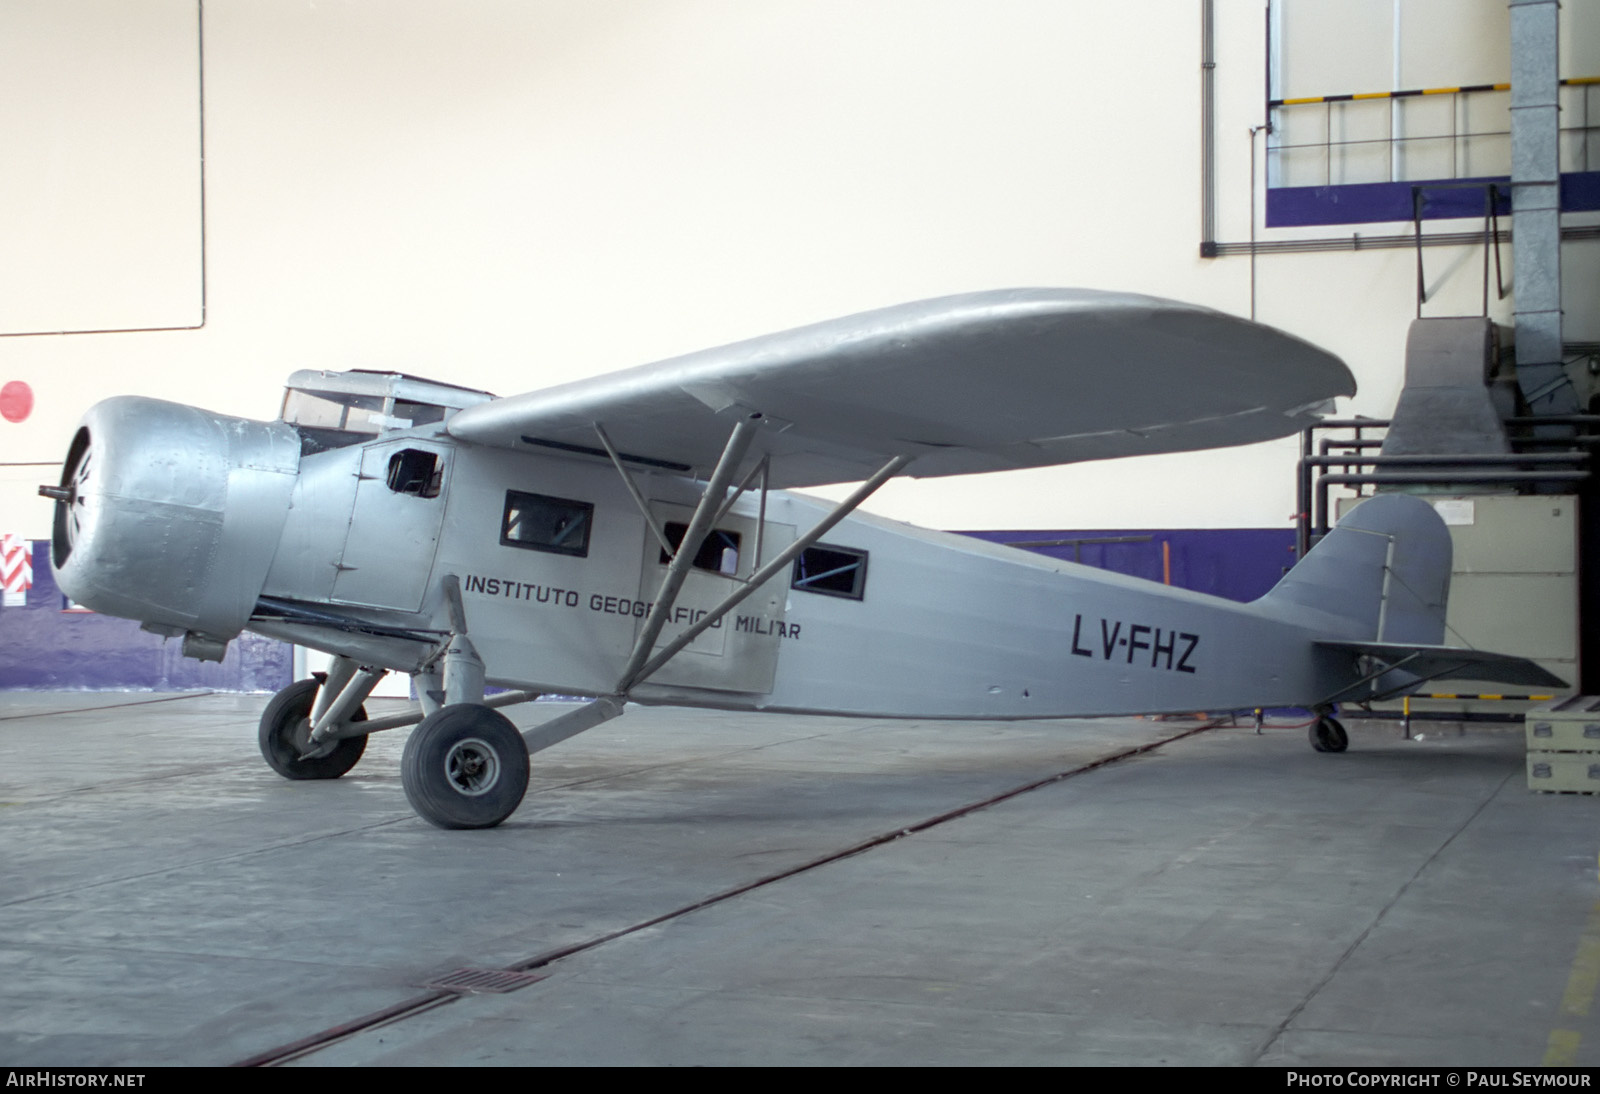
<point x="170" y="515"/>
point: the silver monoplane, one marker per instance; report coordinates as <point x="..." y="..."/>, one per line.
<point x="635" y="538"/>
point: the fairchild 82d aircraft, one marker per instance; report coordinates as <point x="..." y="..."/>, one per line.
<point x="631" y="538"/>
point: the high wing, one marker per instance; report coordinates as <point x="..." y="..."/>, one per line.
<point x="987" y="381"/>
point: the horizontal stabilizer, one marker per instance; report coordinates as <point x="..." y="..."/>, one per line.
<point x="1435" y="662"/>
<point x="986" y="381"/>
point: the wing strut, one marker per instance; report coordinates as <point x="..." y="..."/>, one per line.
<point x="1348" y="693"/>
<point x="635" y="675"/>
<point x="672" y="581"/>
<point x="744" y="484"/>
<point x="633" y="488"/>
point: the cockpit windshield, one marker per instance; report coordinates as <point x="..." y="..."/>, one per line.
<point x="327" y="410"/>
<point x="372" y="403"/>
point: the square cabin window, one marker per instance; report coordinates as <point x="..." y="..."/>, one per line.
<point x="831" y="571"/>
<point x="538" y="522"/>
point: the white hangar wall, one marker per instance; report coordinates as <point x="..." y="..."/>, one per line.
<point x="514" y="193"/>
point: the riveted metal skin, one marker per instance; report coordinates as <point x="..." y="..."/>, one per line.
<point x="174" y="514"/>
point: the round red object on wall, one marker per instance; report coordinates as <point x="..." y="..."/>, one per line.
<point x="16" y="401"/>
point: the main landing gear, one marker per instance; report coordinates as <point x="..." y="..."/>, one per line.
<point x="465" y="766"/>
<point x="285" y="737"/>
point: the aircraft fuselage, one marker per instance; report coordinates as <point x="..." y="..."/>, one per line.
<point x="920" y="623"/>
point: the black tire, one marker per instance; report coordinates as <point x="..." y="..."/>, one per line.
<point x="465" y="766"/>
<point x="1328" y="735"/>
<point x="286" y="725"/>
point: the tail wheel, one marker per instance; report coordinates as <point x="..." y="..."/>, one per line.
<point x="286" y="729"/>
<point x="1328" y="735"/>
<point x="465" y="766"/>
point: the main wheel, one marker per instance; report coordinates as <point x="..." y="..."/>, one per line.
<point x="465" y="766"/>
<point x="1328" y="735"/>
<point x="286" y="728"/>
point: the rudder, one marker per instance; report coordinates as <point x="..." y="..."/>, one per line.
<point x="1383" y="573"/>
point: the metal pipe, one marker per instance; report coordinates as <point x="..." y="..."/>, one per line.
<point x="1330" y="443"/>
<point x="1470" y="460"/>
<point x="1536" y="204"/>
<point x="1554" y="419"/>
<point x="1208" y="129"/>
<point x="1569" y="233"/>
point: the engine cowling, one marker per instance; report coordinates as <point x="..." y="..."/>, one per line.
<point x="171" y="515"/>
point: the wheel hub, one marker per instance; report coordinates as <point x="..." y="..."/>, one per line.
<point x="300" y="739"/>
<point x="472" y="767"/>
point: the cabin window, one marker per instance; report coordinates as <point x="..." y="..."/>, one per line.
<point x="831" y="571"/>
<point x="718" y="553"/>
<point x="541" y="523"/>
<point x="415" y="471"/>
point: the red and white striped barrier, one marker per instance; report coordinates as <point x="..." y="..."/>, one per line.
<point x="16" y="568"/>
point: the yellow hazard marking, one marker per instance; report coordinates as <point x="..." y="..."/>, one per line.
<point x="1562" y="1048"/>
<point x="1573" y="81"/>
<point x="1585" y="970"/>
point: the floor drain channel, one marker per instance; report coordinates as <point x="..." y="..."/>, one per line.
<point x="474" y="981"/>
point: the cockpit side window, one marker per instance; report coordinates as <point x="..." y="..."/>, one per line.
<point x="415" y="471"/>
<point x="413" y="414"/>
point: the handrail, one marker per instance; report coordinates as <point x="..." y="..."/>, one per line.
<point x="1576" y="81"/>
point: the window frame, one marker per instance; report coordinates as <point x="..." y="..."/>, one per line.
<point x="858" y="590"/>
<point x="516" y="497"/>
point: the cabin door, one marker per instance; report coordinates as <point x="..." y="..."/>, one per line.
<point x="740" y="652"/>
<point x="394" y="526"/>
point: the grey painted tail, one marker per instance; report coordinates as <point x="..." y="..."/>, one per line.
<point x="1383" y="574"/>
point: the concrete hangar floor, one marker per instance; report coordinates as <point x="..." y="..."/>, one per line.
<point x="706" y="888"/>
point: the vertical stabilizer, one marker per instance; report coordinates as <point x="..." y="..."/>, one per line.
<point x="1383" y="574"/>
